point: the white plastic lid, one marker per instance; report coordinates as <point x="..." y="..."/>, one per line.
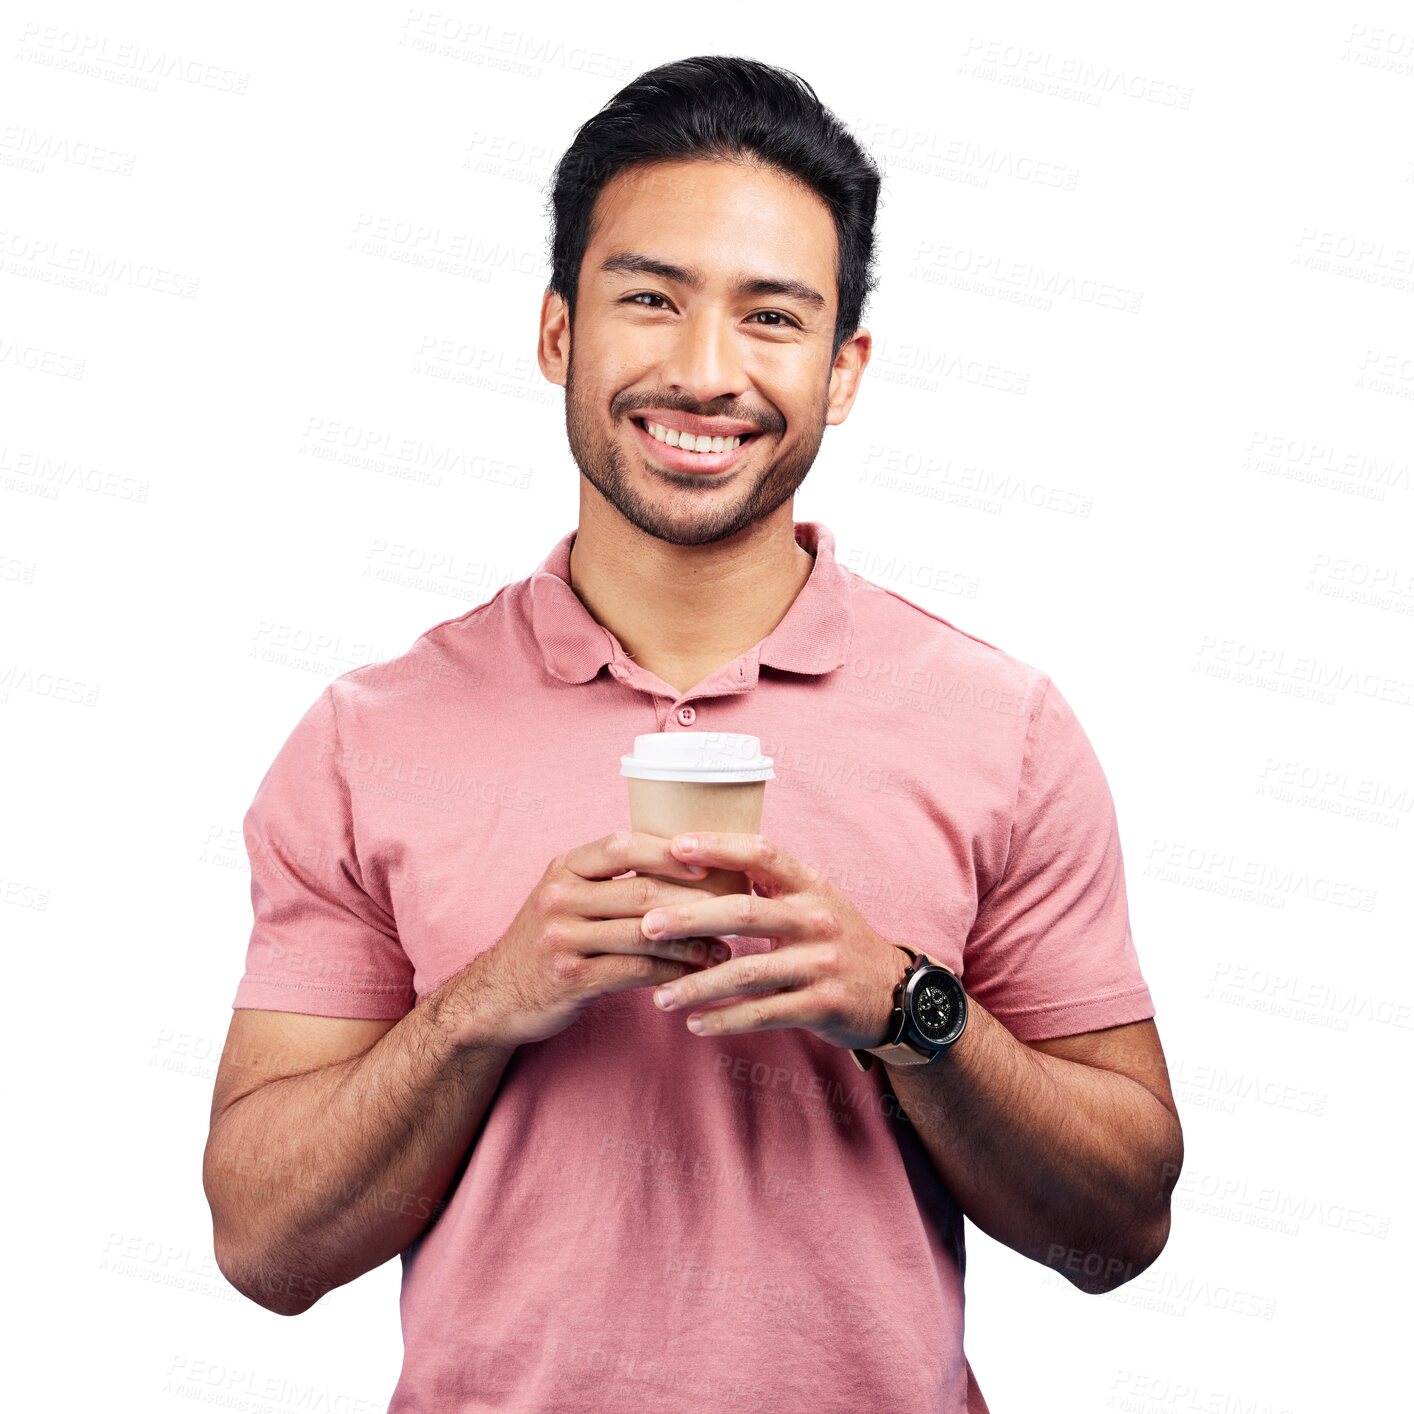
<point x="697" y="756"/>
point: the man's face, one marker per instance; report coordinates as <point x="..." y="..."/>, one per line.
<point x="706" y="302"/>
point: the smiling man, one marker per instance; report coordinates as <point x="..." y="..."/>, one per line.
<point x="628" y="1165"/>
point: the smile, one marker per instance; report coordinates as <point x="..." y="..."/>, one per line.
<point x="680" y="458"/>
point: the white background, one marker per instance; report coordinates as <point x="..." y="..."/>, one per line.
<point x="1146" y="279"/>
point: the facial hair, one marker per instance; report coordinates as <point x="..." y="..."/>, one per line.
<point x="681" y="513"/>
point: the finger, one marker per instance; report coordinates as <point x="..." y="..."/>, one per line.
<point x="757" y="856"/>
<point x="618" y="974"/>
<point x="622" y="936"/>
<point x="624" y="898"/>
<point x="749" y="975"/>
<point x="629" y="849"/>
<point x="760" y="1014"/>
<point x="745" y="915"/>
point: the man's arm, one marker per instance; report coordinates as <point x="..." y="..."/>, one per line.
<point x="1066" y="1150"/>
<point x="320" y="1169"/>
<point x="334" y="1142"/>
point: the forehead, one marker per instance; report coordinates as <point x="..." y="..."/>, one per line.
<point x="719" y="217"/>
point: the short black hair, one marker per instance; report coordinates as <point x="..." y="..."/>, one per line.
<point x="720" y="106"/>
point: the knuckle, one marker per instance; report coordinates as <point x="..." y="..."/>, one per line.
<point x="829" y="958"/>
<point x="554" y="933"/>
<point x="823" y="922"/>
<point x="646" y="891"/>
<point x="747" y="908"/>
<point x="552" y="896"/>
<point x="618" y="844"/>
<point x="566" y="967"/>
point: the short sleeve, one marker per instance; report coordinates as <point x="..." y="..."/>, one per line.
<point x="320" y="944"/>
<point x="1050" y="952"/>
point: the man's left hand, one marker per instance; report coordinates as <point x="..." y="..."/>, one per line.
<point x="827" y="971"/>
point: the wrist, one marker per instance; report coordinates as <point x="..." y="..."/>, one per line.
<point x="885" y="1029"/>
<point x="885" y="1049"/>
<point x="928" y="1014"/>
<point x="464" y="1013"/>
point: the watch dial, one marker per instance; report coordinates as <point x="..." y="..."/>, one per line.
<point x="935" y="1009"/>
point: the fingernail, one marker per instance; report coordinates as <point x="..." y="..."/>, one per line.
<point x="664" y="997"/>
<point x="687" y="841"/>
<point x="721" y="953"/>
<point x="694" y="1023"/>
<point x="653" y="921"/>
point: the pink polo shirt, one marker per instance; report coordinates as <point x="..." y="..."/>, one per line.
<point x="649" y="1220"/>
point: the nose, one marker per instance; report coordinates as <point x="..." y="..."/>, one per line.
<point x="705" y="360"/>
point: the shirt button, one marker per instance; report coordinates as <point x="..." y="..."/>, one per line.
<point x="687" y="715"/>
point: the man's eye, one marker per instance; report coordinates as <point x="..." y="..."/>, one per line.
<point x="779" y="319"/>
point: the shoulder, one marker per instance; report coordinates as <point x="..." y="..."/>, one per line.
<point x="895" y="636"/>
<point x="450" y="659"/>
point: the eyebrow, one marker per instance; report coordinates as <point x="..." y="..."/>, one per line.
<point x="632" y="262"/>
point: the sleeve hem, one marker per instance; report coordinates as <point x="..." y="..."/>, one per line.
<point x="311" y="998"/>
<point x="1042" y="1023"/>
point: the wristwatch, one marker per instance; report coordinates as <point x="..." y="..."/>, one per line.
<point x="930" y="1012"/>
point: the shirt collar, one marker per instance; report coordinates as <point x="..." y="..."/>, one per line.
<point x="813" y="637"/>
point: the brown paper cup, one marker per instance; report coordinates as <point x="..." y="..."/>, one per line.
<point x="671" y="808"/>
<point x="683" y="781"/>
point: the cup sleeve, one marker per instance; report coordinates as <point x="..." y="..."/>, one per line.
<point x="321" y="943"/>
<point x="1050" y="952"/>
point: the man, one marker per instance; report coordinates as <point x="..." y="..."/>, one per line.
<point x="447" y="1043"/>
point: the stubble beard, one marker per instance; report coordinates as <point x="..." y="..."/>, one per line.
<point x="695" y="513"/>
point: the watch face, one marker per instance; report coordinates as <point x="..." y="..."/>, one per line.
<point x="937" y="1006"/>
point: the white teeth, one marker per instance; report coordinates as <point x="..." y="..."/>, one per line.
<point x="688" y="442"/>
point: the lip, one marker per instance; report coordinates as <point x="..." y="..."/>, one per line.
<point x="698" y="463"/>
<point x="698" y="426"/>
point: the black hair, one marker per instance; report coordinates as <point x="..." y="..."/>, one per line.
<point x="722" y="107"/>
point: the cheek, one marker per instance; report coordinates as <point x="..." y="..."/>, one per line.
<point x="607" y="361"/>
<point x="599" y="377"/>
<point x="797" y="394"/>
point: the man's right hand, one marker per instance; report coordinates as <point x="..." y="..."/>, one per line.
<point x="577" y="937"/>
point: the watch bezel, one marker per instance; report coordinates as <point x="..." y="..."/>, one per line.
<point x="912" y="1029"/>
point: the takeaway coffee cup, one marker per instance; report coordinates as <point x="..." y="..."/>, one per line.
<point x="680" y="781"/>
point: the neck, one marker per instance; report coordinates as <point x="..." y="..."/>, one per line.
<point x="683" y="611"/>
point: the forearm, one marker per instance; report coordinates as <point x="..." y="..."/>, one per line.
<point x="1066" y="1163"/>
<point x="320" y="1177"/>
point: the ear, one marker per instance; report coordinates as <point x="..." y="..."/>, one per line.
<point x="553" y="349"/>
<point x="846" y="374"/>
